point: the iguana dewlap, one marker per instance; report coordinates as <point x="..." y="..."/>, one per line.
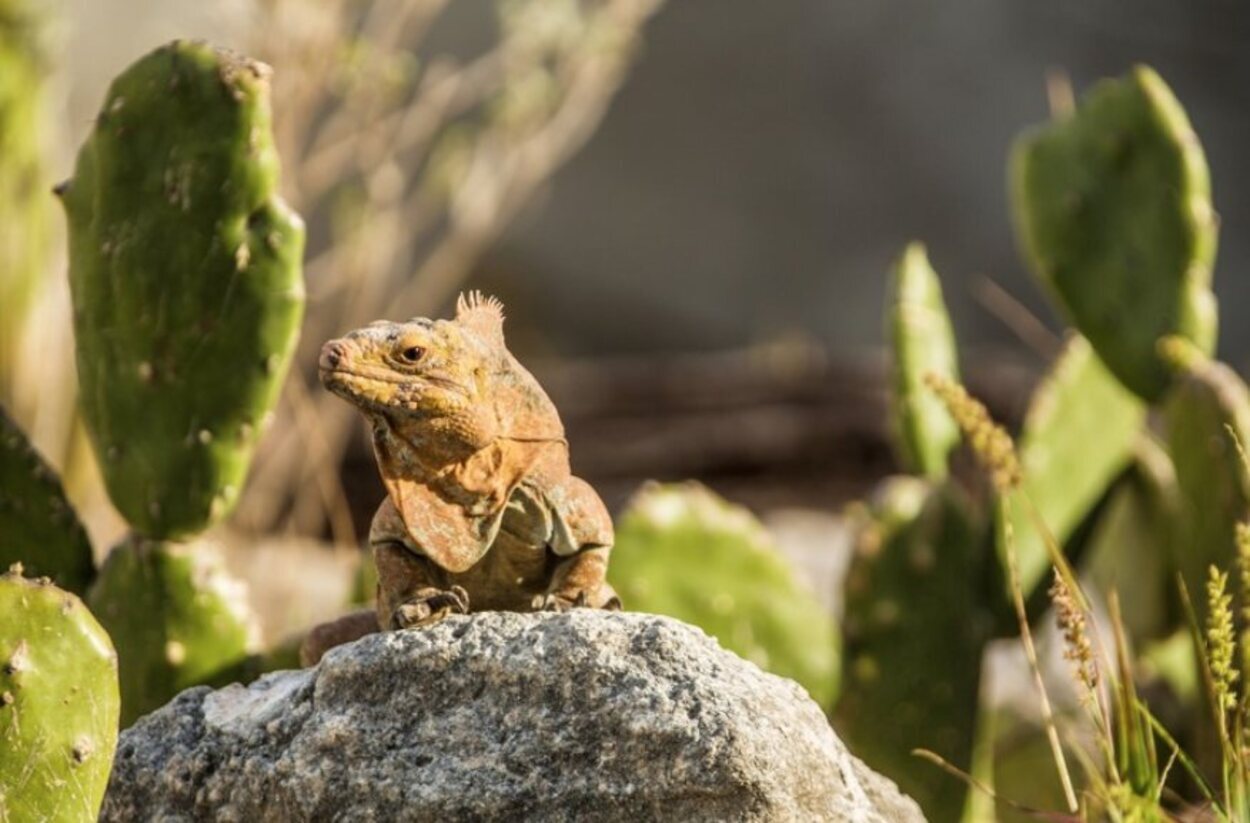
<point x="482" y="510"/>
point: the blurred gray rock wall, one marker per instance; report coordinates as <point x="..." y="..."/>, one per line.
<point x="767" y="160"/>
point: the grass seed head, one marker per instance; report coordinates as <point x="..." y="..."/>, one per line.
<point x="989" y="441"/>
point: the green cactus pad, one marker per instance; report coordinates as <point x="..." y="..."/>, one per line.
<point x="1079" y="434"/>
<point x="58" y="704"/>
<point x="39" y="527"/>
<point x="922" y="341"/>
<point x="185" y="272"/>
<point x="684" y="552"/>
<point x="1113" y="209"/>
<point x="25" y="213"/>
<point x="1208" y="400"/>
<point x="178" y="619"/>
<point x="1130" y="547"/>
<point x="914" y="635"/>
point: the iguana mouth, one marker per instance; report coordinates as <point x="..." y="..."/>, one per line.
<point x="328" y="375"/>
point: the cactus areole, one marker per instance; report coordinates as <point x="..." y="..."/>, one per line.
<point x="186" y="282"/>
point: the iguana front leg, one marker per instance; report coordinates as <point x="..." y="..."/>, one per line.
<point x="580" y="581"/>
<point x="411" y="589"/>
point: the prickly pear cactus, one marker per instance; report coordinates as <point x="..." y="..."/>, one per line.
<point x="38" y="525"/>
<point x="185" y="272"/>
<point x="58" y="703"/>
<point x="1209" y="399"/>
<point x="922" y="341"/>
<point x="24" y="208"/>
<point x="1079" y="433"/>
<point x="684" y="552"/>
<point x="179" y="620"/>
<point x="1113" y="209"/>
<point x="913" y="635"/>
<point x="1130" y="548"/>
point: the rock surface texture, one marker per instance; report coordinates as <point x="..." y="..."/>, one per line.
<point x="498" y="716"/>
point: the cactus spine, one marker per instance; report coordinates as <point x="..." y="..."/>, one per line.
<point x="1113" y="209"/>
<point x="58" y="703"/>
<point x="684" y="552"/>
<point x="185" y="274"/>
<point x="922" y="341"/>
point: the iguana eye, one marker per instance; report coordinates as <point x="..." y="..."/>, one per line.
<point x="411" y="354"/>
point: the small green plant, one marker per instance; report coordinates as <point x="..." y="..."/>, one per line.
<point x="58" y="703"/>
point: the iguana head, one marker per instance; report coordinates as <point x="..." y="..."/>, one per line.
<point x="443" y="385"/>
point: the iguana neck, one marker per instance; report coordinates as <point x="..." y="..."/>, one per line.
<point x="433" y="454"/>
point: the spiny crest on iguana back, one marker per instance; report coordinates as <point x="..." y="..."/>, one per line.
<point x="482" y="314"/>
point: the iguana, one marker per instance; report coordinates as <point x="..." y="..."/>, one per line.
<point x="482" y="510"/>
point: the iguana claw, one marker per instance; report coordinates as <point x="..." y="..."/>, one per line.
<point x="559" y="603"/>
<point x="429" y="606"/>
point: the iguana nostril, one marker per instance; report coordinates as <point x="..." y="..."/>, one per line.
<point x="331" y="355"/>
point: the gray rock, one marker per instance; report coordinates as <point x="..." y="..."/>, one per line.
<point x="582" y="716"/>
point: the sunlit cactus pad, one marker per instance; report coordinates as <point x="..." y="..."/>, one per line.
<point x="177" y="617"/>
<point x="185" y="271"/>
<point x="58" y="704"/>
<point x="922" y="341"/>
<point x="1113" y="208"/>
<point x="684" y="552"/>
<point x="1079" y="434"/>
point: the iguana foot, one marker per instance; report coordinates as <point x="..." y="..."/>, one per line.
<point x="562" y="602"/>
<point x="429" y="606"/>
<point x="552" y="602"/>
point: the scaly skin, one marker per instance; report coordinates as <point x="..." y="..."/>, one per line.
<point x="482" y="510"/>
